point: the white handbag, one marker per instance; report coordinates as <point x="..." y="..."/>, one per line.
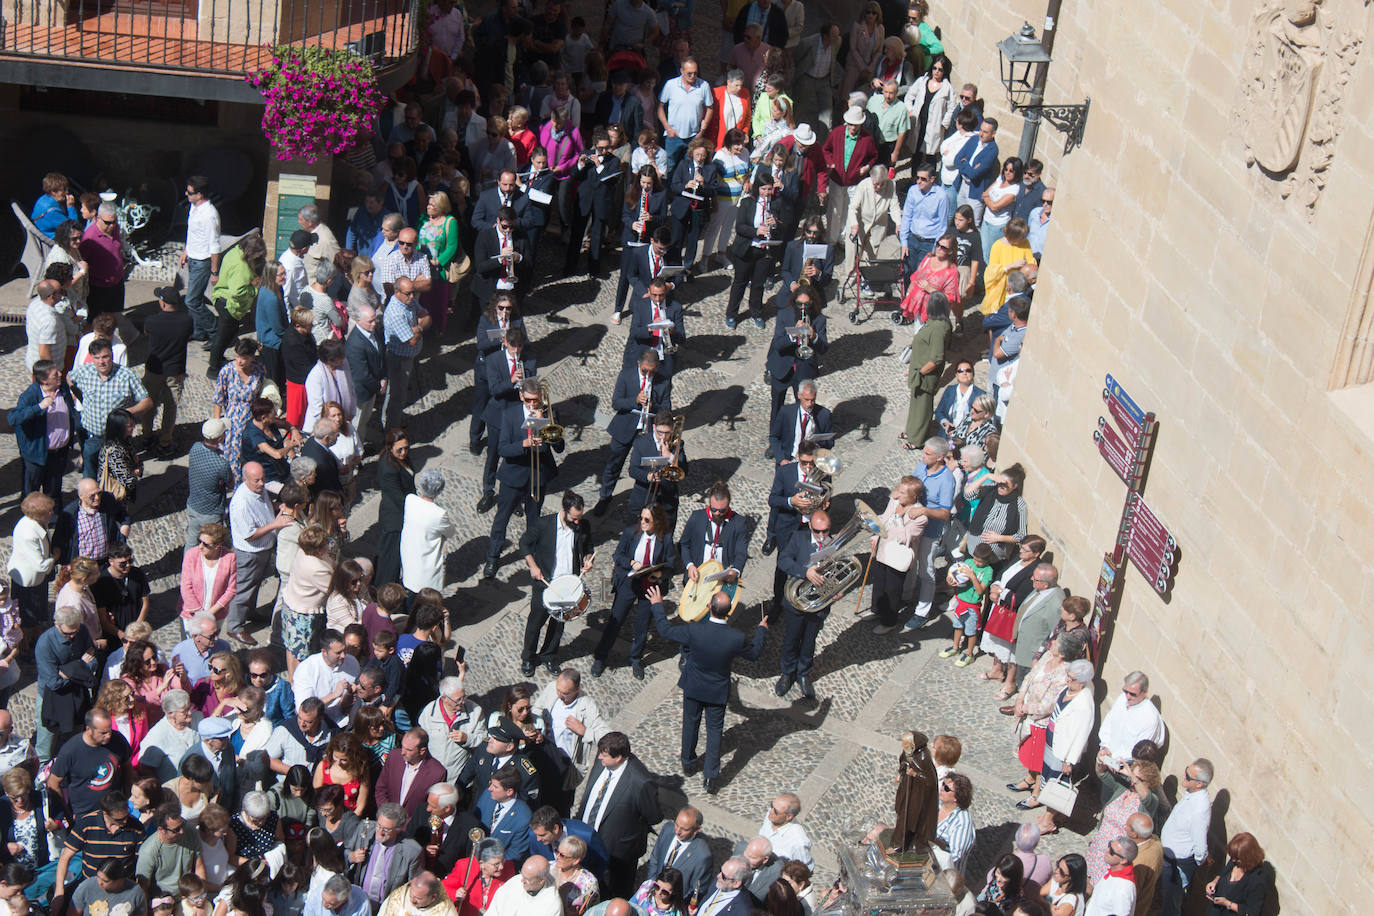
<point x="1060" y="795"/>
<point x="895" y="555"/>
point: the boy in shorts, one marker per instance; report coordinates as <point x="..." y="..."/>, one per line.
<point x="970" y="580"/>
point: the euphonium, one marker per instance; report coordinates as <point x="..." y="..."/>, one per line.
<point x="838" y="564"/>
<point x="813" y="489"/>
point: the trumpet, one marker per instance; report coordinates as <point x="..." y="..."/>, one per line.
<point x="813" y="491"/>
<point x="804" y="348"/>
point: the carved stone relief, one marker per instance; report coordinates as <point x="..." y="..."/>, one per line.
<point x="1298" y="63"/>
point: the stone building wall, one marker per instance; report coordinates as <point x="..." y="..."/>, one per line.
<point x="1233" y="302"/>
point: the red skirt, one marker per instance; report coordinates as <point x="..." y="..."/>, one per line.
<point x="295" y="404"/>
<point x="1032" y="750"/>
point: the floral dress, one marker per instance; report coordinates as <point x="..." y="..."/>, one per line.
<point x="234" y="397"/>
<point x="1113" y="825"/>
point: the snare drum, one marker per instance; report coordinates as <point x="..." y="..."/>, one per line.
<point x="567" y="598"/>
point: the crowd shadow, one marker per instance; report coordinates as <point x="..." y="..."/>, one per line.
<point x="860" y="414"/>
<point x="718" y="405"/>
<point x="853" y="350"/>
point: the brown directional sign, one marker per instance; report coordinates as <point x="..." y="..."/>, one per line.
<point x="1119" y="455"/>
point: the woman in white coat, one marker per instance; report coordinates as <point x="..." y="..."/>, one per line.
<point x="930" y="101"/>
<point x="1071" y="725"/>
<point x="423" y="531"/>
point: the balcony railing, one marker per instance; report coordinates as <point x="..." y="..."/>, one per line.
<point x="212" y="37"/>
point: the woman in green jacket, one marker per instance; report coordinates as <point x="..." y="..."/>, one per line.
<point x="925" y="367"/>
<point x="439" y="241"/>
<point x="235" y="291"/>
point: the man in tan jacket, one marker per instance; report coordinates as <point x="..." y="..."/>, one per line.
<point x="873" y="221"/>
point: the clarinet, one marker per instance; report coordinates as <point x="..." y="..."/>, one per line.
<point x="767" y="212"/>
<point x="644" y="216"/>
<point x="510" y="264"/>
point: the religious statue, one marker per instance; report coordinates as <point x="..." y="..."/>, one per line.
<point x="918" y="796"/>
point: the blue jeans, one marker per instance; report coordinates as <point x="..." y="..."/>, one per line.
<point x="1174" y="879"/>
<point x="675" y="147"/>
<point x="90" y="456"/>
<point x="197" y="282"/>
<point x="916" y="249"/>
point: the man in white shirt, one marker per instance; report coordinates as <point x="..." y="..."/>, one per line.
<point x="1114" y="895"/>
<point x="299" y="742"/>
<point x="780" y="828"/>
<point x="325" y="245"/>
<point x="571" y="718"/>
<point x="44" y="329"/>
<point x="328" y="674"/>
<point x="1132" y="719"/>
<point x="424" y="529"/>
<point x="533" y="894"/>
<point x="201" y="255"/>
<point x="685" y="107"/>
<point x="253" y="524"/>
<point x="293" y="259"/>
<point x="1185" y="836"/>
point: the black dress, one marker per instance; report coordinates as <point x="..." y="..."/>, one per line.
<point x="1249" y="893"/>
<point x="395" y="483"/>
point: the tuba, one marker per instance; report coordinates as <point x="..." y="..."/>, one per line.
<point x="837" y="563"/>
<point x="813" y="489"/>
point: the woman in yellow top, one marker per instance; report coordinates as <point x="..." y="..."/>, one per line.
<point x="439" y="239"/>
<point x="1010" y="252"/>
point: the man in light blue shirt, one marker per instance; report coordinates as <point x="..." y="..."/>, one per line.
<point x="1038" y="223"/>
<point x="685" y="107"/>
<point x="404" y="324"/>
<point x="939" y="501"/>
<point x="925" y="217"/>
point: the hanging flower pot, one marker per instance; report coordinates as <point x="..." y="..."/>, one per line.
<point x="319" y="101"/>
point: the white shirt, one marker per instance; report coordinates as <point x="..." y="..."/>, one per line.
<point x="1185" y="832"/>
<point x="43" y="326"/>
<point x="511" y="899"/>
<point x="1125" y="726"/>
<point x="249" y="511"/>
<point x="608" y="778"/>
<point x="798" y="434"/>
<point x="564" y="737"/>
<point x="296" y="281"/>
<point x="325" y="384"/>
<point x="563" y="549"/>
<point x="423" y="532"/>
<point x="408" y="776"/>
<point x="202" y="232"/>
<point x="718" y="901"/>
<point x="314" y="678"/>
<point x="645" y="542"/>
<point x="1113" y="896"/>
<point x="962" y="399"/>
<point x="789" y="841"/>
<point x="16" y="752"/>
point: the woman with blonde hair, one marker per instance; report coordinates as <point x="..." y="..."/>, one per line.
<point x="865" y="48"/>
<point x="218" y="694"/>
<point x="439" y="242"/>
<point x="127" y="715"/>
<point x="362" y="293"/>
<point x="209" y="575"/>
<point x="74" y="591"/>
<point x="899" y="528"/>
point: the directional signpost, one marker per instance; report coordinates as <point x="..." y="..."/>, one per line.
<point x="1125" y="441"/>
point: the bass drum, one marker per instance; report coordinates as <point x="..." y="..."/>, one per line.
<point x="567" y="598"/>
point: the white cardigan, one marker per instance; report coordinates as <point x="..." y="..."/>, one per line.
<point x="941" y="104"/>
<point x="1073" y="725"/>
<point x="31" y="559"/>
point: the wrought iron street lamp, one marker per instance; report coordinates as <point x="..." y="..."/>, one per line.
<point x="1023" y="63"/>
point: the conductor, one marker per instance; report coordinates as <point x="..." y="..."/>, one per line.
<point x="710" y="647"/>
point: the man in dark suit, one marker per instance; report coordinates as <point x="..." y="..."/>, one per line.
<point x="795" y="423"/>
<point x="753" y="253"/>
<point x="820" y="275"/>
<point x="717" y="533"/>
<point x="786" y="365"/>
<point x="640" y="392"/>
<point x="412" y="757"/>
<point x="91" y="500"/>
<point x="712" y="647"/>
<point x="598" y="199"/>
<point x="799" y="637"/>
<point x="537" y="181"/>
<point x="505" y="816"/>
<point x="507" y="193"/>
<point x="499" y="258"/>
<point x="366" y="363"/>
<point x="977" y="166"/>
<point x="442" y="830"/>
<point x="548" y="555"/>
<point x="621" y="803"/>
<point x="729" y="898"/>
<point x="654" y="306"/>
<point x="523" y="455"/>
<point x="646" y="263"/>
<point x="316" y="448"/>
<point x="503" y="749"/>
<point x="637" y="233"/>
<point x="548" y="829"/>
<point x="683" y="847"/>
<point x="618" y="105"/>
<point x="695" y="173"/>
<point x="770" y="16"/>
<point x="654" y="444"/>
<point x="504" y="371"/>
<point x="784" y="514"/>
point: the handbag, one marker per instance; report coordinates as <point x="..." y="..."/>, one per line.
<point x="1001" y="622"/>
<point x="894" y="555"/>
<point x="108" y="481"/>
<point x="1060" y="795"/>
<point x="459" y="268"/>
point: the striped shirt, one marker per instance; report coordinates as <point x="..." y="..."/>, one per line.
<point x="957" y="832"/>
<point x="398" y="322"/>
<point x="100" y="395"/>
<point x="91" y="837"/>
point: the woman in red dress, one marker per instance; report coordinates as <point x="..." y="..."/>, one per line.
<point x="345" y="763"/>
<point x="475" y="880"/>
<point x="937" y="271"/>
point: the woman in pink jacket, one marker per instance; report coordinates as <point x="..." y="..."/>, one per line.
<point x="209" y="575"/>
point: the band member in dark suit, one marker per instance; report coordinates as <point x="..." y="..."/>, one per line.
<point x="507" y="193"/>
<point x="787" y="367"/>
<point x="499" y="256"/>
<point x="640" y="392"/>
<point x="653" y="444"/>
<point x="547" y="559"/>
<point x="698" y="174"/>
<point x="820" y="275"/>
<point x="790" y="195"/>
<point x="785" y="506"/>
<point x="753" y="251"/>
<point x="443" y="828"/>
<point x="795" y="423"/>
<point x="522" y="456"/>
<point x="710" y="647"/>
<point x="646" y="209"/>
<point x="655" y="305"/>
<point x="717" y="533"/>
<point x="538" y="178"/>
<point x="621" y="816"/>
<point x="504" y="371"/>
<point x="799" y="635"/>
<point x="648" y="263"/>
<point x="598" y="198"/>
<point x="502" y="313"/>
<point x="647" y="543"/>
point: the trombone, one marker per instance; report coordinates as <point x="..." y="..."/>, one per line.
<point x="673" y="471"/>
<point x="541" y="434"/>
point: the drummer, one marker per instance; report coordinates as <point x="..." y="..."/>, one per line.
<point x="558" y="545"/>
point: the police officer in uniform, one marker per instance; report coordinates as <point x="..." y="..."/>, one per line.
<point x="503" y="747"/>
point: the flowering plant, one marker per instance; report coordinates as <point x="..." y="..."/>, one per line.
<point x="320" y="101"/>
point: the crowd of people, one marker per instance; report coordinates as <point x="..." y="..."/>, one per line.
<point x="357" y="774"/>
